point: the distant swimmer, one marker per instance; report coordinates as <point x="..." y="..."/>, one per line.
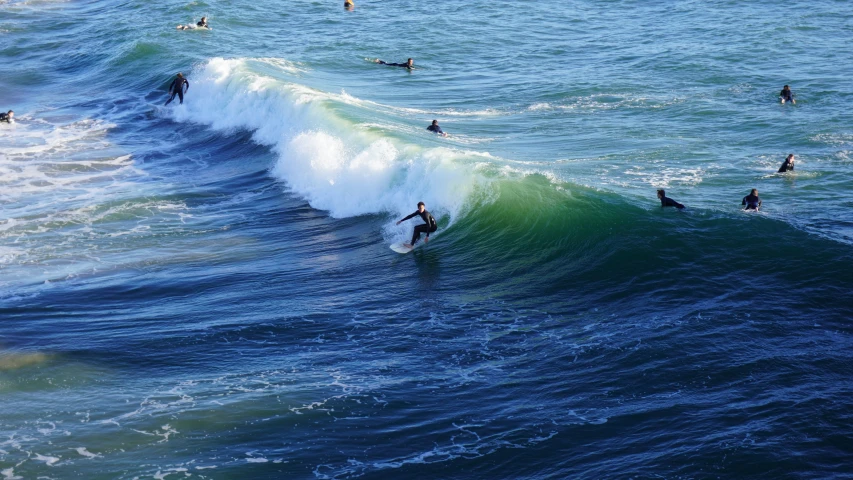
<point x="428" y="227"/>
<point x="349" y="4"/>
<point x="751" y="201"/>
<point x="787" y="165"/>
<point x="436" y="129"/>
<point x="666" y="201"/>
<point x="7" y="117"/>
<point x="410" y="64"/>
<point x="177" y="88"/>
<point x="201" y="24"/>
<point x="786" y="95"/>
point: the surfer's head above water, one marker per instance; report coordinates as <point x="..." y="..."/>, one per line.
<point x="421" y="206"/>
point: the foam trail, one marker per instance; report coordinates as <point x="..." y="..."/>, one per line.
<point x="337" y="168"/>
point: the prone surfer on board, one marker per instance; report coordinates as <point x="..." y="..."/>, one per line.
<point x="201" y="24"/>
<point x="436" y="129"/>
<point x="7" y="117"/>
<point x="428" y="227"/>
<point x="410" y="64"/>
<point x="786" y="95"/>
<point x="751" y="201"/>
<point x="666" y="201"/>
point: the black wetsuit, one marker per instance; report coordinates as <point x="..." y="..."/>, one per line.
<point x="436" y="129"/>
<point x="177" y="88"/>
<point x="751" y="201"/>
<point x="406" y="65"/>
<point x="786" y="167"/>
<point x="787" y="95"/>
<point x="428" y="227"/>
<point x="201" y="24"/>
<point x="668" y="202"/>
<point x="4" y="117"/>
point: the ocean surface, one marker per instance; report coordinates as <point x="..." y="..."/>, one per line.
<point x="206" y="290"/>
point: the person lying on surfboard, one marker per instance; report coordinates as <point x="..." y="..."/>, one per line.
<point x="410" y="64"/>
<point x="751" y="201"/>
<point x="666" y="201"/>
<point x="434" y="128"/>
<point x="428" y="227"/>
<point x="786" y="95"/>
<point x="201" y="24"/>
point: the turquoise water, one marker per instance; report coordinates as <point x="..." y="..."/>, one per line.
<point x="206" y="289"/>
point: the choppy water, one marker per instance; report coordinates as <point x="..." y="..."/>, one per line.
<point x="206" y="290"/>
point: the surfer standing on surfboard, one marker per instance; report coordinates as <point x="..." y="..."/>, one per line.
<point x="428" y="227"/>
<point x="177" y="88"/>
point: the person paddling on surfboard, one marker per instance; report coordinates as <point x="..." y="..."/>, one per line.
<point x="666" y="201"/>
<point x="201" y="24"/>
<point x="428" y="227"/>
<point x="786" y="95"/>
<point x="410" y="64"/>
<point x="434" y="128"/>
<point x="751" y="201"/>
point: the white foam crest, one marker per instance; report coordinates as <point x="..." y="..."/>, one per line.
<point x="9" y="474"/>
<point x="86" y="453"/>
<point x="335" y="167"/>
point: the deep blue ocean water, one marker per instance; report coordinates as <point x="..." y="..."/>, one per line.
<point x="206" y="290"/>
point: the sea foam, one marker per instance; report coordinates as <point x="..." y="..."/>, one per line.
<point x="321" y="157"/>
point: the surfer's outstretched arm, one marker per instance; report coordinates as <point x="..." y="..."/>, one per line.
<point x="407" y="217"/>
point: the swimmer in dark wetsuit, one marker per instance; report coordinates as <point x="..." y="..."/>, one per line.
<point x="177" y="88"/>
<point x="7" y="117"/>
<point x="668" y="202"/>
<point x="410" y="64"/>
<point x="201" y="24"/>
<point x="436" y="129"/>
<point x="787" y="165"/>
<point x="349" y="4"/>
<point x="786" y="95"/>
<point x="751" y="201"/>
<point x="428" y="227"/>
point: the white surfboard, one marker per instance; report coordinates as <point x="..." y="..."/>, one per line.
<point x="400" y="248"/>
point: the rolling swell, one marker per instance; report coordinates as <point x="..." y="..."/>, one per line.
<point x="541" y="235"/>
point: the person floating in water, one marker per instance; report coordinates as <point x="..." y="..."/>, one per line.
<point x="436" y="129"/>
<point x="201" y="24"/>
<point x="751" y="201"/>
<point x="786" y="95"/>
<point x="349" y="4"/>
<point x="666" y="201"/>
<point x="7" y="117"/>
<point x="177" y="88"/>
<point x="787" y="165"/>
<point x="428" y="227"/>
<point x="410" y="64"/>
